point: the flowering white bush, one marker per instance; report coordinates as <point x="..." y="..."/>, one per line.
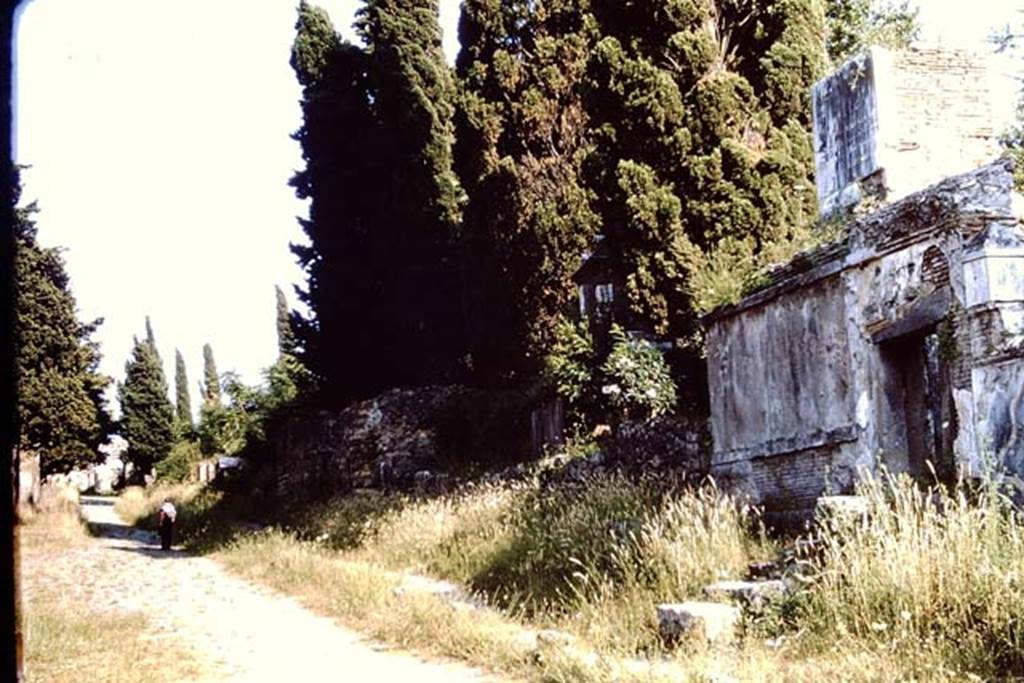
<point x="633" y="381"/>
<point x="639" y="383"/>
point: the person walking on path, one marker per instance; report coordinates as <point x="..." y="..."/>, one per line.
<point x="167" y="515"/>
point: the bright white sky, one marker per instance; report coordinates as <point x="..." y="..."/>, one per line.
<point x="158" y="135"/>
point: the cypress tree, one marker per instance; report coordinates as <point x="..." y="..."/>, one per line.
<point x="211" y="384"/>
<point x="702" y="164"/>
<point x="415" y="102"/>
<point x="522" y="135"/>
<point x="285" y="335"/>
<point x="183" y="403"/>
<point x="60" y="404"/>
<point x="150" y="337"/>
<point x="147" y="415"/>
<point x="340" y="258"/>
<point x="383" y="277"/>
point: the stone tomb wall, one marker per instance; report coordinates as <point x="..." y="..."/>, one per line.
<point x="897" y="122"/>
<point x="904" y="347"/>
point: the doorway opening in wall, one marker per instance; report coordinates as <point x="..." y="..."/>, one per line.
<point x="922" y="404"/>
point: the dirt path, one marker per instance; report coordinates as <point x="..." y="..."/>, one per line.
<point x="242" y="632"/>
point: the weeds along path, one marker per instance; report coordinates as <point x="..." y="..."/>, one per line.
<point x="245" y="632"/>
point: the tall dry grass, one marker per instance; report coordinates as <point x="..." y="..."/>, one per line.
<point x="934" y="576"/>
<point x="684" y="544"/>
<point x="594" y="560"/>
<point x="928" y="586"/>
<point x="139" y="506"/>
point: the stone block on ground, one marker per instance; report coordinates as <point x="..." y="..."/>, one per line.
<point x="423" y="585"/>
<point x="753" y="595"/>
<point x="842" y="509"/>
<point x="711" y="622"/>
<point x="443" y="590"/>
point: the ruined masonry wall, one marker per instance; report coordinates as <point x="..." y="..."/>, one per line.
<point x="942" y="113"/>
<point x="809" y="377"/>
<point x="902" y="121"/>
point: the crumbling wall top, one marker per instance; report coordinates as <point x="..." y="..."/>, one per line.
<point x="968" y="202"/>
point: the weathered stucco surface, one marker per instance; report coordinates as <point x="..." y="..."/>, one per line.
<point x="902" y="345"/>
<point x="789" y="398"/>
<point x="901" y="121"/>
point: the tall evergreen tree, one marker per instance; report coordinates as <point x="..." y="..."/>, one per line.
<point x="183" y="402"/>
<point x="60" y="404"/>
<point x="285" y="334"/>
<point x="211" y="380"/>
<point x="150" y="337"/>
<point x="702" y="156"/>
<point x="383" y="277"/>
<point x="147" y="415"/>
<point x="522" y="134"/>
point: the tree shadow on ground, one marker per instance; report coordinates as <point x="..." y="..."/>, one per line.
<point x="121" y="532"/>
<point x="156" y="553"/>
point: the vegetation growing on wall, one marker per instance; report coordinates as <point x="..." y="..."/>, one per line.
<point x="630" y="380"/>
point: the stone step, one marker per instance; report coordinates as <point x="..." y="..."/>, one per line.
<point x="711" y="622"/>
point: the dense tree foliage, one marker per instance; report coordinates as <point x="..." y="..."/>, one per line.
<point x="679" y="130"/>
<point x="183" y="402"/>
<point x="522" y="136"/>
<point x="285" y="334"/>
<point x="210" y="386"/>
<point x="147" y="415"/>
<point x="703" y="164"/>
<point x="383" y="277"/>
<point x="854" y="25"/>
<point x="60" y="407"/>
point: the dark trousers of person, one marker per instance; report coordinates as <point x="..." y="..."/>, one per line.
<point x="166" y="535"/>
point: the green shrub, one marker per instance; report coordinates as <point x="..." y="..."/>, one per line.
<point x="570" y="365"/>
<point x="638" y="381"/>
<point x="632" y="382"/>
<point x="555" y="531"/>
<point x="179" y="465"/>
<point x="344" y="523"/>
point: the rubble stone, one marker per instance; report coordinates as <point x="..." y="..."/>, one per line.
<point x="711" y="622"/>
<point x="841" y="508"/>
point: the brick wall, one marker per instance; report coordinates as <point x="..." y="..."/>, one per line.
<point x="901" y="121"/>
<point x="940" y="114"/>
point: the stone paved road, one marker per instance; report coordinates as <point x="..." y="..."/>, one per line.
<point x="241" y="631"/>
